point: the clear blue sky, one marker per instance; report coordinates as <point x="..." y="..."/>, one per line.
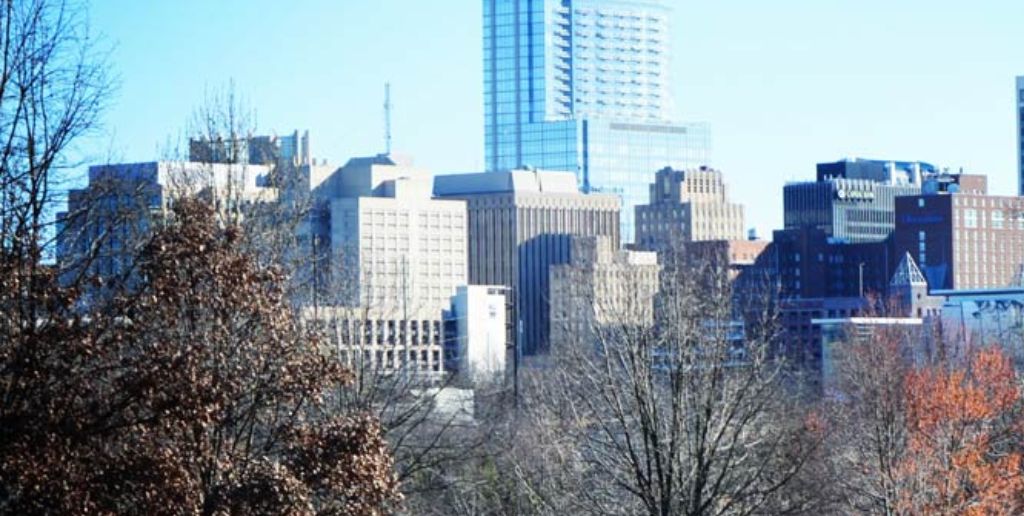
<point x="784" y="83"/>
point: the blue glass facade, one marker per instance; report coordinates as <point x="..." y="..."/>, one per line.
<point x="582" y="86"/>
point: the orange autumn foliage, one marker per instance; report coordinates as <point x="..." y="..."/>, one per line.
<point x="960" y="457"/>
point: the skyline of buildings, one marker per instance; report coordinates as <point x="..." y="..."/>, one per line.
<point x="577" y="124"/>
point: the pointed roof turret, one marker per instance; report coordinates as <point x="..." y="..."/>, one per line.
<point x="907" y="274"/>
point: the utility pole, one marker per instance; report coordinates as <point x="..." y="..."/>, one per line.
<point x="516" y="357"/>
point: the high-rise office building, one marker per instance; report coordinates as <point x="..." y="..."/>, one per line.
<point x="391" y="258"/>
<point x="835" y="241"/>
<point x="105" y="221"/>
<point x="393" y="247"/>
<point x="1019" y="100"/>
<point x="853" y="201"/>
<point x="583" y="86"/>
<point x="521" y="223"/>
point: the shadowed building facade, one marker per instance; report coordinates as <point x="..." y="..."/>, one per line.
<point x="520" y="223"/>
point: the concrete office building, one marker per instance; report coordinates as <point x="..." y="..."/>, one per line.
<point x="476" y="332"/>
<point x="685" y="206"/>
<point x="122" y="201"/>
<point x="847" y="210"/>
<point x="292" y="149"/>
<point x="583" y="86"/>
<point x="962" y="238"/>
<point x="601" y="286"/>
<point x="520" y="223"/>
<point x="391" y="258"/>
<point x="400" y="250"/>
<point x="749" y="261"/>
<point x="378" y="340"/>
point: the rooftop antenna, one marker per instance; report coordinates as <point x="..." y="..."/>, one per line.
<point x="387" y="118"/>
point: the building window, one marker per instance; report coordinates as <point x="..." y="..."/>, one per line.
<point x="997" y="220"/>
<point x="970" y="218"/>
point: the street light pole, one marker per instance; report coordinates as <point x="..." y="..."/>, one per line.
<point x="860" y="279"/>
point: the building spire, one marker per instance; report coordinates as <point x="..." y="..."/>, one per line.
<point x="387" y="118"/>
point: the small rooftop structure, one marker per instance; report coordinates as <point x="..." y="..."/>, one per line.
<point x="908" y="274"/>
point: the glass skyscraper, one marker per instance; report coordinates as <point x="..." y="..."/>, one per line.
<point x="583" y="86"/>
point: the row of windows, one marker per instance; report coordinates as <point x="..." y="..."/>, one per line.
<point x="995" y="220"/>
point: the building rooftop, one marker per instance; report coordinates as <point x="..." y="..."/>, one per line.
<point x="510" y="181"/>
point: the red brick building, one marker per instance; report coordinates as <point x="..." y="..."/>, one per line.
<point x="962" y="239"/>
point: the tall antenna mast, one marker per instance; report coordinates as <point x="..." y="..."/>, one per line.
<point x="387" y="118"/>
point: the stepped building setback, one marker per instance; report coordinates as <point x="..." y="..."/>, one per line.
<point x="391" y="258"/>
<point x="687" y="206"/>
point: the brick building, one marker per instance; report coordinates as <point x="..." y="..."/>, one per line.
<point x="961" y="237"/>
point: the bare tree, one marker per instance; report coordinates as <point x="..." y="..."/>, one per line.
<point x="53" y="88"/>
<point x="868" y="430"/>
<point x="430" y="418"/>
<point x="685" y="415"/>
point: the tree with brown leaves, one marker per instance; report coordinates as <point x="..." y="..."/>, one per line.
<point x="961" y="456"/>
<point x="196" y="392"/>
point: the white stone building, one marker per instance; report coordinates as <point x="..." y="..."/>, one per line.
<point x="477" y="343"/>
<point x="394" y="257"/>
